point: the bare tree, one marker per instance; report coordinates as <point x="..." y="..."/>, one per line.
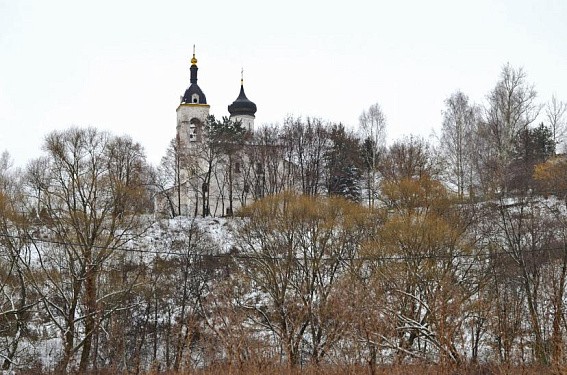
<point x="16" y="296"/>
<point x="529" y="272"/>
<point x="409" y="158"/>
<point x="510" y="110"/>
<point x="93" y="195"/>
<point x="169" y="179"/>
<point x="459" y="130"/>
<point x="372" y="124"/>
<point x="555" y="113"/>
<point x="213" y="163"/>
<point x="266" y="166"/>
<point x="295" y="249"/>
<point x="307" y="142"/>
<point x="416" y="265"/>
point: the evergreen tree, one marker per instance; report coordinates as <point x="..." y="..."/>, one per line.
<point x="344" y="163"/>
<point x="532" y="146"/>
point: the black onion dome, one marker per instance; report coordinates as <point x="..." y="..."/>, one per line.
<point x="242" y="106"/>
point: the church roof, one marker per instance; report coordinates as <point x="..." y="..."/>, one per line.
<point x="242" y="106"/>
<point x="188" y="96"/>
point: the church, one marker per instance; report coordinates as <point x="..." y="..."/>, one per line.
<point x="210" y="181"/>
<point x="194" y="110"/>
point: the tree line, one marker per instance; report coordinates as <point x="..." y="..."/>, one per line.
<point x="347" y="252"/>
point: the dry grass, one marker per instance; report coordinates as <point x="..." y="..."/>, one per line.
<point x="356" y="370"/>
<point x="384" y="370"/>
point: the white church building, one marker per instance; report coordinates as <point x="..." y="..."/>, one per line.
<point x="210" y="184"/>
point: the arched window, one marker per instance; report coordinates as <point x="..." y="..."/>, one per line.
<point x="195" y="130"/>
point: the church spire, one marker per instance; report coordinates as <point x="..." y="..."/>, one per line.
<point x="194" y="94"/>
<point x="194" y="68"/>
<point x="194" y="59"/>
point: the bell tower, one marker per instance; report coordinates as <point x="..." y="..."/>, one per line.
<point x="192" y="112"/>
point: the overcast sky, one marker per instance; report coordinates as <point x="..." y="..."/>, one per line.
<point x="122" y="65"/>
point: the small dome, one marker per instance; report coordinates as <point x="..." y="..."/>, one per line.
<point x="242" y="106"/>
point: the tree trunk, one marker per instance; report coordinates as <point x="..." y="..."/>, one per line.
<point x="557" y="337"/>
<point x="91" y="313"/>
<point x="540" y="354"/>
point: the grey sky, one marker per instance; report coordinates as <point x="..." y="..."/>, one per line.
<point x="122" y="65"/>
